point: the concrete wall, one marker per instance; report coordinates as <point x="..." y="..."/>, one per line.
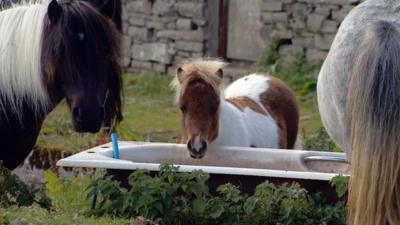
<point x="158" y="34"/>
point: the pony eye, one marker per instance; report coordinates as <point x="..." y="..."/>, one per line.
<point x="183" y="108"/>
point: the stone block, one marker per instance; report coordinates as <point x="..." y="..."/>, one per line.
<point x="271" y="17"/>
<point x="183" y="54"/>
<point x="330" y="26"/>
<point x="138" y="33"/>
<point x="166" y="34"/>
<point x="126" y="45"/>
<point x="297" y="24"/>
<point x="283" y="34"/>
<point x="190" y="9"/>
<point x="314" y="21"/>
<point x="162" y="68"/>
<point x="164" y="8"/>
<point x="339" y="15"/>
<point x="291" y="50"/>
<point x="316" y="55"/>
<point x="189" y="46"/>
<point x="196" y="36"/>
<point x="171" y="26"/>
<point x="151" y="51"/>
<point x="184" y="24"/>
<point x="126" y="61"/>
<point x="200" y="22"/>
<point x="136" y="21"/>
<point x="139" y="6"/>
<point x="141" y="65"/>
<point x="325" y="9"/>
<point x="306" y="42"/>
<point x="171" y="71"/>
<point x="324" y="42"/>
<point x="155" y="24"/>
<point x="272" y="6"/>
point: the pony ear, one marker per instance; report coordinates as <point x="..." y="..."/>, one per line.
<point x="219" y="73"/>
<point x="107" y="8"/>
<point x="179" y="74"/>
<point x="54" y="11"/>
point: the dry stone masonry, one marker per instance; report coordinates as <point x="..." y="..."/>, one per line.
<point x="305" y="27"/>
<point x="159" y="34"/>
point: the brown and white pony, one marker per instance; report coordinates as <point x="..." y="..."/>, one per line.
<point x="48" y="52"/>
<point x="359" y="100"/>
<point x="255" y="111"/>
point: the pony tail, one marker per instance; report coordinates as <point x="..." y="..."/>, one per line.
<point x="373" y="123"/>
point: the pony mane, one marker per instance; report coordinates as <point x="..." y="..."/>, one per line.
<point x="202" y="69"/>
<point x="21" y="81"/>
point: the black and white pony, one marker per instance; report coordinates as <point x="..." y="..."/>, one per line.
<point x="359" y="101"/>
<point x="48" y="52"/>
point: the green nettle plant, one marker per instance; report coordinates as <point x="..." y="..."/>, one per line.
<point x="173" y="198"/>
<point x="15" y="192"/>
<point x="319" y="141"/>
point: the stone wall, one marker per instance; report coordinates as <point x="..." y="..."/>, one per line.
<point x="304" y="27"/>
<point x="159" y="34"/>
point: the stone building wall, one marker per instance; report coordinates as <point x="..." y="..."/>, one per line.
<point x="305" y="27"/>
<point x="158" y="34"/>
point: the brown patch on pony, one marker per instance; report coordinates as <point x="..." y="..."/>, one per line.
<point x="243" y="102"/>
<point x="281" y="103"/>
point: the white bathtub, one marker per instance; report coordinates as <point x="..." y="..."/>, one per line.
<point x="296" y="164"/>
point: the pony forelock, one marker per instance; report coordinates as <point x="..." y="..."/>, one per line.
<point x="204" y="69"/>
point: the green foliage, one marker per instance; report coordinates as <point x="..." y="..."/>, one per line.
<point x="15" y="192"/>
<point x="319" y="141"/>
<point x="172" y="197"/>
<point x="341" y="184"/>
<point x="269" y="59"/>
<point x="67" y="192"/>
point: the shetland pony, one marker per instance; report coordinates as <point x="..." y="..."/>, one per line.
<point x="255" y="111"/>
<point x="359" y="101"/>
<point x="48" y="52"/>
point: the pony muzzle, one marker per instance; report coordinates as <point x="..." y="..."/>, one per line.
<point x="87" y="119"/>
<point x="197" y="147"/>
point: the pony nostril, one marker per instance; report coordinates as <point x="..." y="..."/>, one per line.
<point x="77" y="114"/>
<point x="190" y="144"/>
<point x="203" y="144"/>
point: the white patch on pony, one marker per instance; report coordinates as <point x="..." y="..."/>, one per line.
<point x="81" y="36"/>
<point x="251" y="86"/>
<point x="20" y="57"/>
<point x="246" y="129"/>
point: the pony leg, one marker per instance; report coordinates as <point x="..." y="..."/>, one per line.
<point x="373" y="123"/>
